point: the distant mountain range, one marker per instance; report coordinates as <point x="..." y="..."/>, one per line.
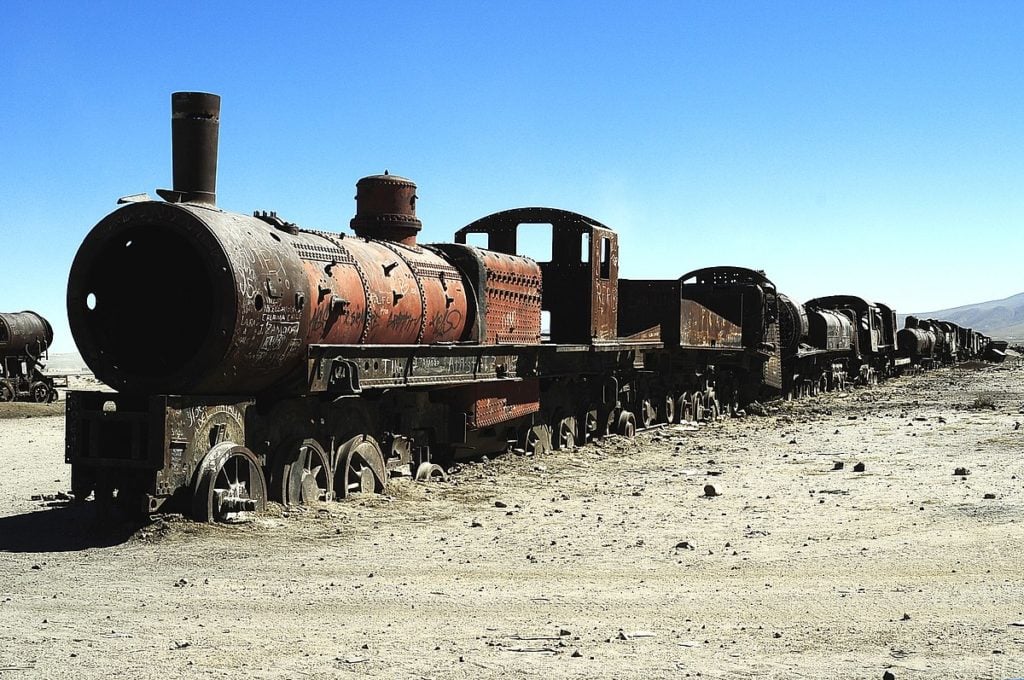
<point x="1002" y="319"/>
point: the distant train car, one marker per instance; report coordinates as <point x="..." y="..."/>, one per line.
<point x="872" y="355"/>
<point x="25" y="338"/>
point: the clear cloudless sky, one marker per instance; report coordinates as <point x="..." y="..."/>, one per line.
<point x="872" y="148"/>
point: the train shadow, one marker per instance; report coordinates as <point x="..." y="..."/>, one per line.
<point x="64" y="528"/>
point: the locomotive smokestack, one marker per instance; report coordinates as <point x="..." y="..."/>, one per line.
<point x="195" y="128"/>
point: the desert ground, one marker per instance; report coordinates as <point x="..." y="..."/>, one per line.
<point x="607" y="561"/>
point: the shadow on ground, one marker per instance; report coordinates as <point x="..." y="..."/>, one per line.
<point x="64" y="528"/>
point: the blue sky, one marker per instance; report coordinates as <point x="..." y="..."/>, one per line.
<point x="868" y="148"/>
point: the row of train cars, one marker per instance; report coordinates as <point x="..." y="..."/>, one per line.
<point x="254" y="360"/>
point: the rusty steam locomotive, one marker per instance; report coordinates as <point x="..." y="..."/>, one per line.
<point x="25" y="338"/>
<point x="256" y="360"/>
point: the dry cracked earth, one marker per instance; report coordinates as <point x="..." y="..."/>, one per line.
<point x="839" y="543"/>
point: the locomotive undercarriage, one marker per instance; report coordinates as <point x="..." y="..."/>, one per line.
<point x="214" y="457"/>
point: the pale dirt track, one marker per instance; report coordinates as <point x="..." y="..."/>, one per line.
<point x="795" y="571"/>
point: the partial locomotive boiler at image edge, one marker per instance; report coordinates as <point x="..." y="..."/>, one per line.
<point x="257" y="360"/>
<point x="25" y="339"/>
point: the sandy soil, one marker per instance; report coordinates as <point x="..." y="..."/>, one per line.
<point x="609" y="561"/>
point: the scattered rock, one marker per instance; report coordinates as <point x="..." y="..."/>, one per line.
<point x="838" y="465"/>
<point x="859" y="467"/>
<point x="500" y="504"/>
<point x="961" y="472"/>
<point x="710" y="491"/>
<point x="475" y="524"/>
<point x="576" y="654"/>
<point x="905" y="617"/>
<point x="757" y="409"/>
<point x="888" y="676"/>
<point x="990" y="497"/>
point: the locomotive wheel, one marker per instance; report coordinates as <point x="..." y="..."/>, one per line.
<point x="647" y="412"/>
<point x="611" y="421"/>
<point x="565" y="434"/>
<point x="302" y="474"/>
<point x="668" y="410"/>
<point x="627" y="424"/>
<point x="429" y="472"/>
<point x="588" y="427"/>
<point x="360" y="467"/>
<point x="684" y="408"/>
<point x="535" y="439"/>
<point x="40" y="392"/>
<point x="697" y="401"/>
<point x="229" y="481"/>
<point x="714" y="410"/>
<point x="6" y="391"/>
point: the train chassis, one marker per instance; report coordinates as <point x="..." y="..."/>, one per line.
<point x="215" y="457"/>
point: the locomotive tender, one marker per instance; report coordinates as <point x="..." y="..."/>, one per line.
<point x="254" y="360"/>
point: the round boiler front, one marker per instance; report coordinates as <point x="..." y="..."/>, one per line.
<point x="179" y="298"/>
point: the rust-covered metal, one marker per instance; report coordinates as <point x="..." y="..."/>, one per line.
<point x="581" y="279"/>
<point x="493" y="403"/>
<point x="508" y="293"/>
<point x="155" y="443"/>
<point x="24" y="333"/>
<point x="386" y="209"/>
<point x="748" y="299"/>
<point x="653" y="309"/>
<point x="238" y="299"/>
<point x="701" y="327"/>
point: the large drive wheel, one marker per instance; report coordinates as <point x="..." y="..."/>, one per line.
<point x="589" y="425"/>
<point x="429" y="472"/>
<point x="647" y="412"/>
<point x="40" y="392"/>
<point x="360" y="467"/>
<point x="627" y="424"/>
<point x="302" y="473"/>
<point x="229" y="481"/>
<point x="668" y="410"/>
<point x="535" y="439"/>
<point x="565" y="433"/>
<point x="6" y="391"/>
<point x="714" y="410"/>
